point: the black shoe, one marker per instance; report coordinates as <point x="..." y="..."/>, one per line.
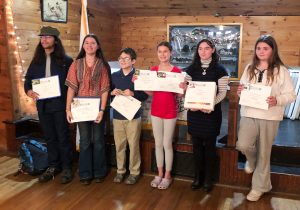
<point x="198" y="178"/>
<point x="49" y="174"/>
<point x="99" y="179"/>
<point x="196" y="185"/>
<point x="86" y="181"/>
<point x="67" y="176"/>
<point x="207" y="187"/>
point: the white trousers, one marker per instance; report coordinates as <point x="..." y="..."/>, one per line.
<point x="163" y="131"/>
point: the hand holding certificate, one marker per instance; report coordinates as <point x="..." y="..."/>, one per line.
<point x="200" y="95"/>
<point x="126" y="105"/>
<point x="85" y="109"/>
<point x="158" y="81"/>
<point x="255" y="96"/>
<point x="46" y="87"/>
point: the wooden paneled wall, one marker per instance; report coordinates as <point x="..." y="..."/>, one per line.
<point x="105" y="23"/>
<point x="6" y="104"/>
<point x="144" y="33"/>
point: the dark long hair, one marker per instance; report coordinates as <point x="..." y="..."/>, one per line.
<point x="58" y="53"/>
<point x="215" y="57"/>
<point x="273" y="62"/>
<point x="99" y="52"/>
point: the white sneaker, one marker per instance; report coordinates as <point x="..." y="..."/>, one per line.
<point x="248" y="169"/>
<point x="254" y="195"/>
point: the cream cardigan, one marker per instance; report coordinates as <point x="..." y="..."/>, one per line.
<point x="282" y="89"/>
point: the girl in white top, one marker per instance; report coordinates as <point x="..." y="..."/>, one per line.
<point x="258" y="127"/>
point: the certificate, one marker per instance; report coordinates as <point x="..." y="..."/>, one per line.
<point x="255" y="96"/>
<point x="200" y="95"/>
<point x="46" y="87"/>
<point x="169" y="82"/>
<point x="85" y="109"/>
<point x="158" y="81"/>
<point x="126" y="105"/>
<point x="145" y="80"/>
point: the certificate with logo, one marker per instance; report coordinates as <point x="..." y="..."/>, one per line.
<point x="158" y="81"/>
<point x="200" y="95"/>
<point x="85" y="109"/>
<point x="255" y="96"/>
<point x="145" y="80"/>
<point x="126" y="105"/>
<point x="46" y="87"/>
<point x="169" y="82"/>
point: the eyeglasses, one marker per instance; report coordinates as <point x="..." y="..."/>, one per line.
<point x="124" y="59"/>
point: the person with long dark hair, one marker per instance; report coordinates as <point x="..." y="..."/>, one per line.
<point x="258" y="127"/>
<point x="204" y="125"/>
<point x="50" y="60"/>
<point x="89" y="76"/>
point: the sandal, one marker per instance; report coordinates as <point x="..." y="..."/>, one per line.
<point x="164" y="184"/>
<point x="156" y="181"/>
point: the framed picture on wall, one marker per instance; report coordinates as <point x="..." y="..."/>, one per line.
<point x="227" y="38"/>
<point x="54" y="10"/>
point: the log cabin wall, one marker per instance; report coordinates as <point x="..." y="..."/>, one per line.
<point x="144" y="33"/>
<point x="105" y="23"/>
<point x="6" y="103"/>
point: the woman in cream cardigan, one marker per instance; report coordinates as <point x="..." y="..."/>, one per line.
<point x="258" y="127"/>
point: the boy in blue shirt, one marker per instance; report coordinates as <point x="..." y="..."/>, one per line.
<point x="127" y="131"/>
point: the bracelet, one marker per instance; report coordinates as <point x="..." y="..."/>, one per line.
<point x="101" y="110"/>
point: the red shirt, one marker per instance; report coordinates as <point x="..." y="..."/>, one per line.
<point x="164" y="104"/>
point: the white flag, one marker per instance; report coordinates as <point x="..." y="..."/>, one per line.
<point x="84" y="30"/>
<point x="84" y="25"/>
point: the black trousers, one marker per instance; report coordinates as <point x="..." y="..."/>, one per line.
<point x="204" y="152"/>
<point x="56" y="132"/>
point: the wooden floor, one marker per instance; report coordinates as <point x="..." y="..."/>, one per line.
<point x="24" y="192"/>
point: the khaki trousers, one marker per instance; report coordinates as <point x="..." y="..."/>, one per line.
<point x="128" y="131"/>
<point x="255" y="140"/>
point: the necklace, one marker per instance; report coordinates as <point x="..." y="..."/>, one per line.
<point x="260" y="74"/>
<point x="204" y="70"/>
<point x="205" y="65"/>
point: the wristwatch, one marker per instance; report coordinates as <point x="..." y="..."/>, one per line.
<point x="101" y="110"/>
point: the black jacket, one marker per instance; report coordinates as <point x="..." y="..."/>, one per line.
<point x="38" y="71"/>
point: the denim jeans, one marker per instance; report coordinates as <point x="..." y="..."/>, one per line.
<point x="92" y="159"/>
<point x="56" y="132"/>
